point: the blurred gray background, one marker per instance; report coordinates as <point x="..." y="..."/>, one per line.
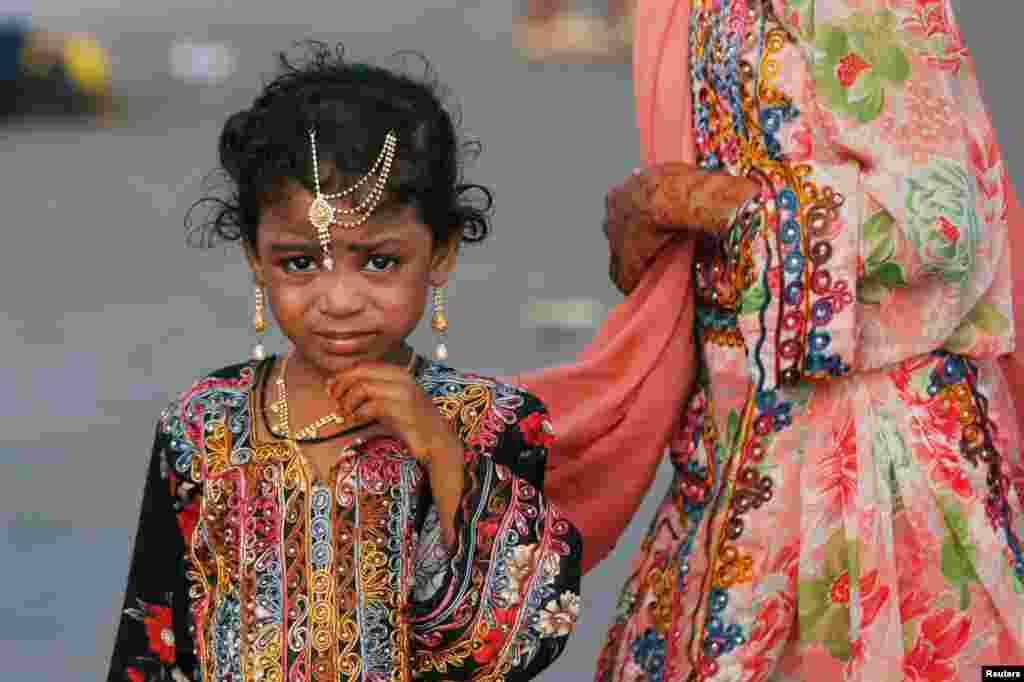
<point x="105" y="314"/>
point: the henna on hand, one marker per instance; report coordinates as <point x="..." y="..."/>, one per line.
<point x="670" y="200"/>
<point x="684" y="197"/>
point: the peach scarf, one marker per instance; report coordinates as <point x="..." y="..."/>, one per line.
<point x="615" y="408"/>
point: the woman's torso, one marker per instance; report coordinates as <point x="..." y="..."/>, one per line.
<point x="828" y="463"/>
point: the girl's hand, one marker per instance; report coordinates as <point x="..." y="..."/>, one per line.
<point x="387" y="393"/>
<point x="654" y="206"/>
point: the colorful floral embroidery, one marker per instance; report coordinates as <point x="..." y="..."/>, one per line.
<point x="288" y="578"/>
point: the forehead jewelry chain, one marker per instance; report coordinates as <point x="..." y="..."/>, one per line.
<point x="322" y="214"/>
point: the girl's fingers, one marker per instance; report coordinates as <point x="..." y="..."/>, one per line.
<point x="355" y="396"/>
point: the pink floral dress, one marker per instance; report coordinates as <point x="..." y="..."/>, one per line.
<point x="848" y="480"/>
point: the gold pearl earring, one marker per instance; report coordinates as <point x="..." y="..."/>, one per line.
<point x="259" y="323"/>
<point x="439" y="323"/>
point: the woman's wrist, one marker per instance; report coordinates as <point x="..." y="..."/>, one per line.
<point x="697" y="200"/>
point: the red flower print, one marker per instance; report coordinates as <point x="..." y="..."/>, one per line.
<point x="849" y="68"/>
<point x="787" y="561"/>
<point x="838" y="476"/>
<point x="989" y="169"/>
<point x="840" y="590"/>
<point x="930" y="22"/>
<point x="950" y="231"/>
<point x="537" y="431"/>
<point x="496" y="636"/>
<point x="774" y="624"/>
<point x="160" y="630"/>
<point x="803" y="144"/>
<point x="950" y="473"/>
<point x="873" y="597"/>
<point x="134" y="675"/>
<point x="943" y="634"/>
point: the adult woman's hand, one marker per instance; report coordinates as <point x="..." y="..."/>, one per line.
<point x="671" y="200"/>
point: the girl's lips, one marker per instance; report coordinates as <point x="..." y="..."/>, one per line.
<point x="345" y="344"/>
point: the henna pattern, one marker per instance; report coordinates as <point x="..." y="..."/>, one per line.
<point x="668" y="201"/>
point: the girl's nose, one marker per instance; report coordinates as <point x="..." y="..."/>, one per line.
<point x="342" y="293"/>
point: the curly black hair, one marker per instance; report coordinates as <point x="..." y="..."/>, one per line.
<point x="352" y="106"/>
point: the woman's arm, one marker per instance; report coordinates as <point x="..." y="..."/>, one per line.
<point x="653" y="207"/>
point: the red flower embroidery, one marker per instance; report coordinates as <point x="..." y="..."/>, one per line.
<point x="160" y="631"/>
<point x="943" y="634"/>
<point x="134" y="675"/>
<point x="537" y="430"/>
<point x="489" y="528"/>
<point x="188" y="518"/>
<point x="496" y="636"/>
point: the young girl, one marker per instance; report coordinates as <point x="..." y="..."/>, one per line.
<point x="349" y="511"/>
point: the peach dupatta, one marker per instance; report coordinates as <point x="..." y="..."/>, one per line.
<point x="615" y="409"/>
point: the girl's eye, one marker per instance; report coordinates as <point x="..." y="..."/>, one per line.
<point x="298" y="264"/>
<point x="380" y="263"/>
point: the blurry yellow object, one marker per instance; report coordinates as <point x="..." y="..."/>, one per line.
<point x="87" y="64"/>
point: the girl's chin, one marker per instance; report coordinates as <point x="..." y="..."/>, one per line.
<point x="328" y="363"/>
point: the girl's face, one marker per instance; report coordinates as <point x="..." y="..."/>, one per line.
<point x="371" y="301"/>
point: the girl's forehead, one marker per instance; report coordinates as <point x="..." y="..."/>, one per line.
<point x="288" y="218"/>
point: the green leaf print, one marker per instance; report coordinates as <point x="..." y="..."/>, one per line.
<point x="958" y="556"/>
<point x="963" y="339"/>
<point x="880" y="274"/>
<point x="879" y="235"/>
<point x="836" y="634"/>
<point x="887" y="444"/>
<point x="942" y="220"/>
<point x="987" y="317"/>
<point x="823" y="602"/>
<point x="804" y="10"/>
<point x="812" y="597"/>
<point x="891" y="275"/>
<point x="858" y="61"/>
<point x="984" y="319"/>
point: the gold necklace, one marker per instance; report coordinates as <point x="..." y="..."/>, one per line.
<point x="280" y="408"/>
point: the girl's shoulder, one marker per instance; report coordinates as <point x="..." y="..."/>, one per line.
<point x="502" y="420"/>
<point x="444" y="383"/>
<point x="220" y="397"/>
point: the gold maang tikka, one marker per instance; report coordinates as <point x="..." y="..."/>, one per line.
<point x="322" y="214"/>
